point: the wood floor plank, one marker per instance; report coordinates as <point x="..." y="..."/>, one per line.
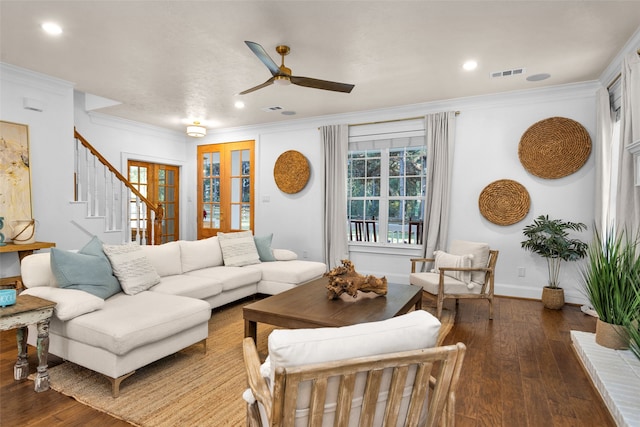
<point x="520" y="370"/>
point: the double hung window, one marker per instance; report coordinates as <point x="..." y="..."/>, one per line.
<point x="386" y="186"/>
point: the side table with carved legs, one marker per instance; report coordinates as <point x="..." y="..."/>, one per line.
<point x="29" y="310"/>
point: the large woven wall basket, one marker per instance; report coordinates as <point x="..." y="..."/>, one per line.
<point x="554" y="147"/>
<point x="291" y="172"/>
<point x="504" y="202"/>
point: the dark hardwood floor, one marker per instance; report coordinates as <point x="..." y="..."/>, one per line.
<point x="519" y="370"/>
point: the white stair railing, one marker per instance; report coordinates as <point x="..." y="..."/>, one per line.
<point x="109" y="195"/>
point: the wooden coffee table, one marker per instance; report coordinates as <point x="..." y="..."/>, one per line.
<point x="307" y="306"/>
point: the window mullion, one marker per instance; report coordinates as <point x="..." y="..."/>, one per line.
<point x="384" y="196"/>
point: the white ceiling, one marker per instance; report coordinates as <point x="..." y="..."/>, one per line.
<point x="170" y="61"/>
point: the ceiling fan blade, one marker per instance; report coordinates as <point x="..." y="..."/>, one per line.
<point x="322" y="84"/>
<point x="265" y="84"/>
<point x="264" y="57"/>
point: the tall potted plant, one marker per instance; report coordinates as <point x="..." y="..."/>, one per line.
<point x="611" y="281"/>
<point x="550" y="239"/>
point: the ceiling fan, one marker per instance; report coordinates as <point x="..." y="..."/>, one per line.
<point x="282" y="75"/>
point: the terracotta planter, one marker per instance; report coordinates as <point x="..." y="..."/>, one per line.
<point x="611" y="336"/>
<point x="553" y="298"/>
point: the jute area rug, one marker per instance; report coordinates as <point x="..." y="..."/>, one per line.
<point x="187" y="388"/>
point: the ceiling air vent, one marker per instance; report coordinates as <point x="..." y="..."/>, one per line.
<point x="270" y="109"/>
<point x="507" y="73"/>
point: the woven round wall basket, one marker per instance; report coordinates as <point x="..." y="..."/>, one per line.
<point x="504" y="202"/>
<point x="554" y="147"/>
<point x="291" y="172"/>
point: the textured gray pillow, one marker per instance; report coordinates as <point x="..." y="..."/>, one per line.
<point x="132" y="268"/>
<point x="238" y="249"/>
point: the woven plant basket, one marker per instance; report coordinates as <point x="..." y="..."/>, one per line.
<point x="554" y="147"/>
<point x="553" y="298"/>
<point x="611" y="336"/>
<point x="504" y="202"/>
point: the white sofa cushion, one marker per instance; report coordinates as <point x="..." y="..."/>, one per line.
<point x="189" y="286"/>
<point x="132" y="268"/>
<point x="199" y="254"/>
<point x="429" y="282"/>
<point x="229" y="277"/>
<point x="296" y="271"/>
<point x="480" y="252"/>
<point x="131" y="321"/>
<point x="164" y="258"/>
<point x="70" y="303"/>
<point x="238" y="249"/>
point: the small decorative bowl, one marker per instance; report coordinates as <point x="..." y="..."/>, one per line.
<point x="7" y="297"/>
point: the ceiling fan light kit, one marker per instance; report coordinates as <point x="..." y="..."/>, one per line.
<point x="196" y="131"/>
<point x="281" y="75"/>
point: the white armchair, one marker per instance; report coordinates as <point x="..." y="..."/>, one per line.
<point x="384" y="373"/>
<point x="466" y="271"/>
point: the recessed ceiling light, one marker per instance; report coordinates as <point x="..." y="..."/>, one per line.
<point x="239" y="104"/>
<point x="538" y="77"/>
<point x="470" y="65"/>
<point x="52" y="28"/>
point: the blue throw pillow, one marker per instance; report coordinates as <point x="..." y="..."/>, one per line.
<point x="88" y="270"/>
<point x="263" y="245"/>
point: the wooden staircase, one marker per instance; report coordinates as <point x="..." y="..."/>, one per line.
<point x="108" y="204"/>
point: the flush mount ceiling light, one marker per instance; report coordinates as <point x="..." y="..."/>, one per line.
<point x="470" y="65"/>
<point x="52" y="28"/>
<point x="196" y="130"/>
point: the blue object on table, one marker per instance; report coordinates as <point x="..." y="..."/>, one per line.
<point x="7" y="297"/>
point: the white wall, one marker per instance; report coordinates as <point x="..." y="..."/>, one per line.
<point x="488" y="131"/>
<point x="51" y="153"/>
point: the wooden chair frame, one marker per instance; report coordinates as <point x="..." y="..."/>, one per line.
<point x="440" y="382"/>
<point x="485" y="293"/>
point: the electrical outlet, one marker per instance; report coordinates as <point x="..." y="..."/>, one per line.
<point x="304" y="254"/>
<point x="521" y="272"/>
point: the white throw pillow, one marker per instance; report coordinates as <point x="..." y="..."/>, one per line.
<point x="238" y="249"/>
<point x="70" y="303"/>
<point x="444" y="259"/>
<point x="284" y="255"/>
<point x="480" y="252"/>
<point x="132" y="268"/>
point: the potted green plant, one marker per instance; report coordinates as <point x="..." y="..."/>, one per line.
<point x="550" y="239"/>
<point x="611" y="281"/>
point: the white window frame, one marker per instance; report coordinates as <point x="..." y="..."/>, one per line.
<point x="372" y="136"/>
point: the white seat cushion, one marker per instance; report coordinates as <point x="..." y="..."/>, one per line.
<point x="230" y="277"/>
<point x="430" y="282"/>
<point x="188" y="286"/>
<point x="295" y="271"/>
<point x="130" y="321"/>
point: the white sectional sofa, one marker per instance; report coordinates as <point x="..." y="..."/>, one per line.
<point x="123" y="332"/>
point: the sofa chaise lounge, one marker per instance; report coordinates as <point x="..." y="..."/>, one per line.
<point x="123" y="332"/>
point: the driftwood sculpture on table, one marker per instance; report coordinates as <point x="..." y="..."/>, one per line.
<point x="345" y="279"/>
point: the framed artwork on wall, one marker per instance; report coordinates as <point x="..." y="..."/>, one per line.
<point x="15" y="175"/>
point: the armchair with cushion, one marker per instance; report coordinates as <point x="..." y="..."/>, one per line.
<point x="466" y="271"/>
<point x="386" y="373"/>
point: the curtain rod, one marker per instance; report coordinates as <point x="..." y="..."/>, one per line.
<point x="616" y="78"/>
<point x="394" y="120"/>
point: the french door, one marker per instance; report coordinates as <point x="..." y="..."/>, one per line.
<point x="160" y="184"/>
<point x="225" y="188"/>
